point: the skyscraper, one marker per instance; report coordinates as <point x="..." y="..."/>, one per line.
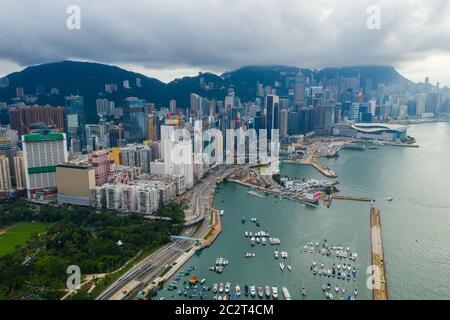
<point x="42" y="153"/>
<point x="272" y="113"/>
<point x="75" y="122"/>
<point x="134" y="117"/>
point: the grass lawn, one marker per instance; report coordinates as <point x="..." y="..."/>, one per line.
<point x="19" y="234"/>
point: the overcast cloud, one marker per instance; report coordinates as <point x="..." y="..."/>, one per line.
<point x="167" y="38"/>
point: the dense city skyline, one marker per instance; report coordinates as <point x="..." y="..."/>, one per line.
<point x="219" y="37"/>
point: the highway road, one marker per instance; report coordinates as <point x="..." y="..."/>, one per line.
<point x="155" y="264"/>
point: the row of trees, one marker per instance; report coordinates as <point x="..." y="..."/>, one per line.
<point x="97" y="242"/>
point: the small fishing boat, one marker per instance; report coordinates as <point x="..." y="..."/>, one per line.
<point x="303" y="291"/>
<point x="281" y="266"/>
<point x="227" y="287"/>
<point x="289" y="267"/>
<point x="324" y="287"/>
<point x="355" y="292"/>
<point x="221" y="287"/>
<point x="246" y="290"/>
<point x="390" y="199"/>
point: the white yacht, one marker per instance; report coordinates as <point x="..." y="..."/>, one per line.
<point x="215" y="288"/>
<point x="281" y="266"/>
<point x="238" y="290"/>
<point x="286" y="293"/>
<point x="221" y="287"/>
<point x="246" y="234"/>
<point x="227" y="287"/>
<point x="267" y="292"/>
<point x="276" y="254"/>
<point x="252" y="291"/>
<point x="289" y="267"/>
<point x="275" y="292"/>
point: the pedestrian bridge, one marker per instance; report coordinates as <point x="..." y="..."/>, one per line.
<point x="186" y="238"/>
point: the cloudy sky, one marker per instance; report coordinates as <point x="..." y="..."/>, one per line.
<point x="170" y="38"/>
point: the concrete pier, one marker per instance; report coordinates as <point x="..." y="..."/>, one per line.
<point x="353" y="198"/>
<point x="379" y="292"/>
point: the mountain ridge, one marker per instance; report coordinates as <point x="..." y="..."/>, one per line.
<point x="89" y="78"/>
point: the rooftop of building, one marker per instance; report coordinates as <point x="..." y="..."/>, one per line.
<point x="76" y="165"/>
<point x="43" y="136"/>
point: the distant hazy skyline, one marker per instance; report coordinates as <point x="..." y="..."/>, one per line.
<point x="166" y="39"/>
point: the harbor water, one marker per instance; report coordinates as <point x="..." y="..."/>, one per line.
<point x="415" y="225"/>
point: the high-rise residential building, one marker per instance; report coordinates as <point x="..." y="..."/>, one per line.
<point x="42" y="153"/>
<point x="105" y="107"/>
<point x="103" y="166"/>
<point x="74" y="181"/>
<point x="20" y="93"/>
<point x="151" y="128"/>
<point x="137" y="156"/>
<point x="5" y="175"/>
<point x="19" y="170"/>
<point x="22" y="118"/>
<point x="177" y="153"/>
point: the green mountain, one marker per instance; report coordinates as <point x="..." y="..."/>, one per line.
<point x="89" y="79"/>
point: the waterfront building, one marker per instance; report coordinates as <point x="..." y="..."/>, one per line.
<point x="380" y="131"/>
<point x="74" y="180"/>
<point x="42" y="153"/>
